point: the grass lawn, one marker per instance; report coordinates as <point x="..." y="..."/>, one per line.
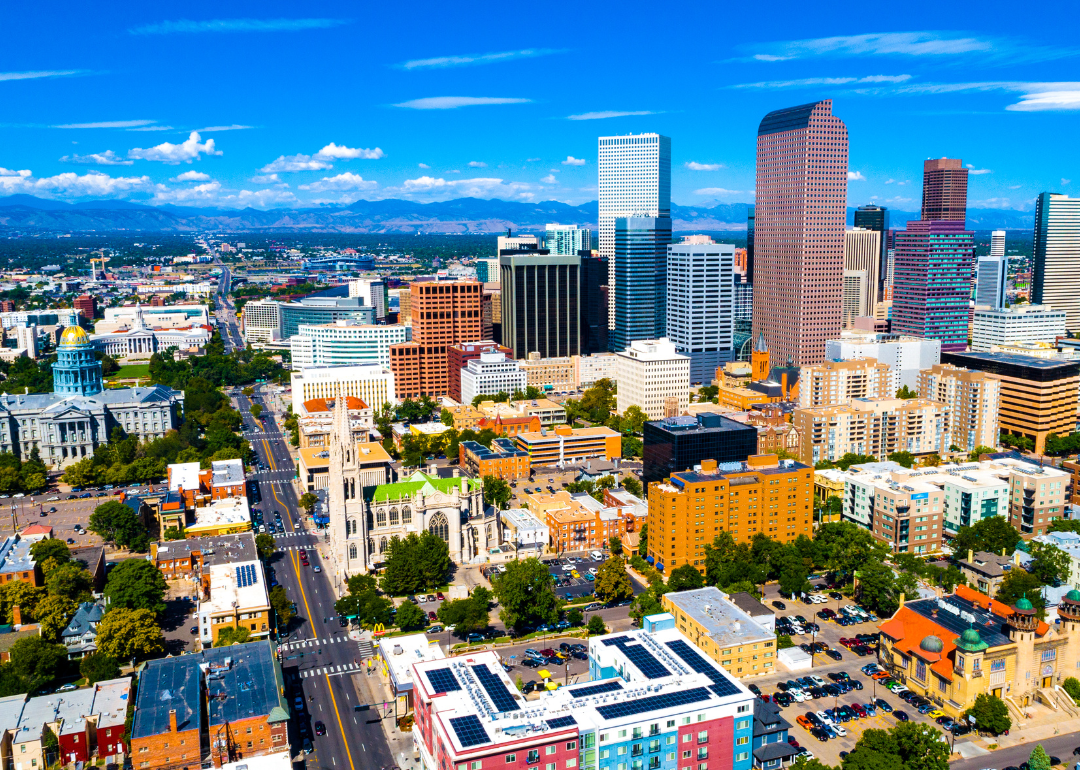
<point x="131" y="372"/>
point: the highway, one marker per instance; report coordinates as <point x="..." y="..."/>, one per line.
<point x="321" y="663"/>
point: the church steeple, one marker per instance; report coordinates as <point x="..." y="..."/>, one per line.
<point x="759" y="360"/>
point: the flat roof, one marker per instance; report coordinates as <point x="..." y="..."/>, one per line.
<point x="1009" y="363"/>
<point x="227" y="473"/>
<point x="184" y="475"/>
<point x="724" y="622"/>
<point x="11" y="709"/>
<point x="401" y="652"/>
<point x="368" y="453"/>
<point x="15" y="555"/>
<point x="168" y="684"/>
<point x="523" y="518"/>
<point x="215" y="549"/>
<point x="236" y="586"/>
<point x="702" y="422"/>
<point x="222" y="512"/>
<point x="573" y="433"/>
<point x="244" y="681"/>
<point x="111" y="701"/>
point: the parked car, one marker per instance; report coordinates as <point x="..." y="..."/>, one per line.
<point x="901" y="716"/>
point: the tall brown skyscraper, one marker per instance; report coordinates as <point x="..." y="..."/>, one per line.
<point x="444" y="313"/>
<point x="801" y="209"/>
<point x="944" y="190"/>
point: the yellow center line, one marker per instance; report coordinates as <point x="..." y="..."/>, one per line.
<point x="294" y="557"/>
<point x="341" y="727"/>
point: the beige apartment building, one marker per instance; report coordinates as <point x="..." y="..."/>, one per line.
<point x="973" y="398"/>
<point x="862" y="267"/>
<point x="553" y="374"/>
<point x="872" y="427"/>
<point x="837" y="382"/>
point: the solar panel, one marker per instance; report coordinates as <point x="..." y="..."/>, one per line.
<point x="495" y="689"/>
<point x="614" y="640"/>
<point x="469" y="731"/>
<point x="596" y="689"/>
<point x="721" y="685"/>
<point x="558" y="722"/>
<point x="443" y="680"/>
<point x="653" y="703"/>
<point x="649" y="666"/>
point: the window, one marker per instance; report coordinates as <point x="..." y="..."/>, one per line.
<point x="1049" y="655"/>
<point x="604" y="753"/>
<point x="670" y="740"/>
<point x="997" y="665"/>
<point x="571" y="763"/>
<point x="743" y="709"/>
<point x="742" y="741"/>
<point x="654" y="746"/>
<point x="534" y="756"/>
<point x="571" y="745"/>
<point x="603" y="737"/>
<point x="742" y="756"/>
<point x="622" y="750"/>
<point x="920" y="670"/>
<point x="549" y="750"/>
<point x="686" y="754"/>
<point x="703" y="736"/>
<point x="550" y="766"/>
<point x="511" y="758"/>
<point x="687" y="737"/>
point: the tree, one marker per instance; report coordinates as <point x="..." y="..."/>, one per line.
<point x="643" y="541"/>
<point x="632" y="485"/>
<point x="613" y="582"/>
<point x="907" y="459"/>
<point x="1020" y="583"/>
<point x="685" y="578"/>
<point x="878" y="588"/>
<point x="175" y="533"/>
<point x="126" y="634"/>
<point x="991" y="714"/>
<point x="905" y="392"/>
<point x="265" y="545"/>
<point x="631" y="447"/>
<point x="415" y="563"/>
<point x="49" y="553"/>
<point x="980" y="450"/>
<point x="526" y="592"/>
<point x="465" y="615"/>
<point x="497" y="492"/>
<point x="256" y="410"/>
<point x="409" y="617"/>
<point x="633" y="419"/>
<point x="1039" y="759"/>
<point x="615" y="545"/>
<point x="575" y="618"/>
<point x="21" y="594"/>
<point x="596" y="626"/>
<point x="446" y="417"/>
<point x="875" y="750"/>
<point x="283" y="608"/>
<point x="1072" y="686"/>
<point x="994" y="534"/>
<point x="136" y="584"/>
<point x="1049" y="563"/>
<point x="307" y="501"/>
<point x="53" y="614"/>
<point x="931" y="460"/>
<point x="232" y="635"/>
<point x="98" y="667"/>
<point x="116" y="523"/>
<point x="70" y="581"/>
<point x="364" y="603"/>
<point x="37" y="660"/>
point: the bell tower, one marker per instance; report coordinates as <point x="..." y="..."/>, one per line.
<point x="759" y="360"/>
<point x="1021" y="628"/>
<point x="1069" y="613"/>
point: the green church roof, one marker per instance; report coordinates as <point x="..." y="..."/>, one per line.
<point x="420" y="482"/>
<point x="970" y="641"/>
<point x="1023" y="604"/>
<point x="1073" y="596"/>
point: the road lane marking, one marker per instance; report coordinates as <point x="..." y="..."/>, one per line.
<point x="341" y="727"/>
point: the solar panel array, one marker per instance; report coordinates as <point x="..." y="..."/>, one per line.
<point x="246" y="576"/>
<point x="614" y="640"/>
<point x="653" y="703"/>
<point x="596" y="689"/>
<point x="558" y="722"/>
<point x="443" y="680"/>
<point x="495" y="689"/>
<point x="469" y="730"/>
<point x="721" y="684"/>
<point x="645" y="662"/>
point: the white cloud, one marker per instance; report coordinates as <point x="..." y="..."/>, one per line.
<point x="550" y="179"/>
<point x="898" y="199"/>
<point x="233" y="127"/>
<point x="71" y="185"/>
<point x="477" y="164"/>
<point x="185" y="152"/>
<point x="609" y="114"/>
<point x="976" y="171"/>
<point x="10" y="172"/>
<point x="296" y="163"/>
<point x="453" y="102"/>
<point x="572" y="161"/>
<point x="533" y="160"/>
<point x="719" y="191"/>
<point x="267" y="179"/>
<point x="427" y="187"/>
<point x="1065" y="181"/>
<point x="926" y="43"/>
<point x="109" y="124"/>
<point x="192" y="176"/>
<point x="262" y="198"/>
<point x="836" y="81"/>
<point x="423" y="165"/>
<point x="441" y="62"/>
<point x="890" y="181"/>
<point x="695" y="166"/>
<point x="152" y="128"/>
<point x="346" y="181"/>
<point x="333" y="151"/>
<point x="1048" y="100"/>
<point x="856" y="176"/>
<point x="235" y="25"/>
<point x="1014" y="187"/>
<point x="35" y="75"/>
<point x="202" y="193"/>
<point x="107" y="158"/>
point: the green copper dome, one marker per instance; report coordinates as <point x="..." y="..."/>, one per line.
<point x="932" y="644"/>
<point x="1023" y="604"/>
<point x="1073" y="596"/>
<point x="970" y="641"/>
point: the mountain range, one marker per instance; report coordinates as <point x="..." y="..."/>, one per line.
<point x="462" y="215"/>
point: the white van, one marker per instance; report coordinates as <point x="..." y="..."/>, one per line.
<point x="597" y="556"/>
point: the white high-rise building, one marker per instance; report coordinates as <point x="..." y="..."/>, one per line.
<point x="650" y="372"/>
<point x="905" y="356"/>
<point x="701" y="305"/>
<point x="491" y="374"/>
<point x="635" y="181"/>
<point x="26" y="337"/>
<point x="345" y="342"/>
<point x="1056" y="261"/>
<point x="997" y="243"/>
<point x="371" y="383"/>
<point x="567" y="240"/>
<point x="372" y="291"/>
<point x="862" y="265"/>
<point x="744" y="298"/>
<point x="990" y="278"/>
<point x="262" y="321"/>
<point x="1023" y="323"/>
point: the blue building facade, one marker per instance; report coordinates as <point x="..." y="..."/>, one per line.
<point x="77" y="372"/>
<point x="640" y="280"/>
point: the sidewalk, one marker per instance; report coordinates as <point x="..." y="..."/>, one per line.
<point x="374" y="689"/>
<point x="1044" y="723"/>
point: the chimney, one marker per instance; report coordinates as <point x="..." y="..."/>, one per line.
<point x="172" y="721"/>
<point x="971" y="555"/>
<point x="457" y="472"/>
<point x="16" y="615"/>
<point x="432" y="470"/>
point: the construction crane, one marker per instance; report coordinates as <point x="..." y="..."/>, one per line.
<point x="93" y="273"/>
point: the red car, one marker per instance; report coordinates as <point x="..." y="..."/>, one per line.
<point x="847" y="642"/>
<point x="548" y="653"/>
<point x="303" y="553"/>
<point x="304" y="561"/>
<point x="432" y="617"/>
<point x="440" y="597"/>
<point x="858" y="709"/>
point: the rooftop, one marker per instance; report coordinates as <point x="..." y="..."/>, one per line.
<point x="184" y="475"/>
<point x="227" y="473"/>
<point x="990" y="564"/>
<point x="15" y="555"/>
<point x="220" y="513"/>
<point x="522" y="519"/>
<point x="215" y="549"/>
<point x="401" y="652"/>
<point x="723" y="621"/>
<point x="563" y="432"/>
<point x="421" y="482"/>
<point x="11" y="709"/>
<point x="1004" y="361"/>
<point x="236" y="586"/>
<point x="706" y="422"/>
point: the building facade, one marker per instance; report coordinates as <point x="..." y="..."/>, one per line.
<point x="837" y="382"/>
<point x="973" y="399"/>
<point x="1056" y="259"/>
<point x="640" y="289"/>
<point x="261" y="321"/>
<point x="701" y="305"/>
<point x="594" y="308"/>
<point x="567" y="240"/>
<point x="649" y="373"/>
<point x="992" y="278"/>
<point x="371" y="383"/>
<point x="676" y="444"/>
<point x="862" y="265"/>
<point x="872" y="427"/>
<point x="319" y="311"/>
<point x="876" y="218"/>
<point x="944" y="192"/>
<point x="372" y="291"/>
<point x="343" y="343"/>
<point x="727" y="634"/>
<point x="905" y="356"/>
<point x="564" y="444"/>
<point x="491" y="374"/>
<point x="800" y="212"/>
<point x="459" y="355"/>
<point x="541" y="311"/>
<point x="1023" y="323"/>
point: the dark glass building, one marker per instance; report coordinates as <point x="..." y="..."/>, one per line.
<point x="876" y="218"/>
<point x="640" y="280"/>
<point x="541" y="303"/>
<point x="679" y="443"/>
<point x="594" y="314"/>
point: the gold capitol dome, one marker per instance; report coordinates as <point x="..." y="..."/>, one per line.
<point x="74" y="335"/>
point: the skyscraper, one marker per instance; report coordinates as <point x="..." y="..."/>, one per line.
<point x="876" y="218"/>
<point x="700" y="305"/>
<point x="635" y="181"/>
<point x="1056" y="273"/>
<point x="750" y="232"/>
<point x="862" y="260"/>
<point x="800" y="212"/>
<point x="932" y="282"/>
<point x="567" y="239"/>
<point x="944" y="190"/>
<point x="997" y="243"/>
<point x="991" y="275"/>
<point x="540" y="303"/>
<point x="594" y="315"/>
<point x="640" y="280"/>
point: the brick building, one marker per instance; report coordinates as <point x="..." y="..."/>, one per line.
<point x="509" y="425"/>
<point x="444" y="313"/>
<point x="503" y="460"/>
<point x="16" y="563"/>
<point x="87" y="305"/>
<point x="457" y="356"/>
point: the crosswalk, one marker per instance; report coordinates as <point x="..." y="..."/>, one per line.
<point x="304" y="643"/>
<point x="295" y="547"/>
<point x="345" y="668"/>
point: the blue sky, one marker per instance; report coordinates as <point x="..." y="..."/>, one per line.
<point x="278" y="104"/>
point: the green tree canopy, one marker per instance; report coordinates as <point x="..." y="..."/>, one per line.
<point x="265" y="545"/>
<point x="53" y="614"/>
<point x="232" y="635"/>
<point x="116" y="523"/>
<point x="136" y="584"/>
<point x="415" y="563"/>
<point x="283" y="609"/>
<point x="991" y="714"/>
<point x="632" y="485"/>
<point x="497" y="492"/>
<point x="526" y="592"/>
<point x="994" y="535"/>
<point x="596" y="626"/>
<point x="98" y="667"/>
<point x="127" y="634"/>
<point x="685" y="578"/>
<point x="1039" y="759"/>
<point x="1021" y="583"/>
<point x="50" y="552"/>
<point x="465" y="615"/>
<point x="612" y="582"/>
<point x="70" y="581"/>
<point x="409" y="617"/>
<point x="1049" y="563"/>
<point x="37" y="660"/>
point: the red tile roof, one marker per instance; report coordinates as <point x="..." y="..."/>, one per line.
<point x="37" y="529"/>
<point x="1001" y="609"/>
<point x="908" y="628"/>
<point x="324" y="404"/>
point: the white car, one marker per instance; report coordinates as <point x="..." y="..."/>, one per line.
<point x="839" y="730"/>
<point x="798" y="695"/>
<point x="597" y="556"/>
<point x="817" y="680"/>
<point x="52" y="499"/>
<point x="568" y="568"/>
<point x="593" y="571"/>
<point x="825" y="718"/>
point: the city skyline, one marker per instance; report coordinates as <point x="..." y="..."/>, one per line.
<point x="267" y="108"/>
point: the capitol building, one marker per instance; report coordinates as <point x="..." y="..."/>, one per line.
<point x="68" y="424"/>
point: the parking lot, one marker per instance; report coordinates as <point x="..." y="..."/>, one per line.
<point x="572" y="575"/>
<point x="71" y="509"/>
<point x="569" y="671"/>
